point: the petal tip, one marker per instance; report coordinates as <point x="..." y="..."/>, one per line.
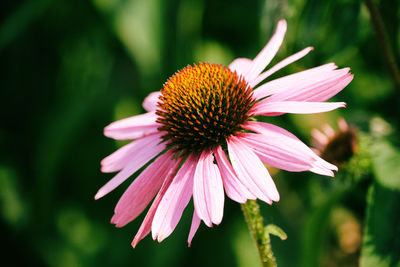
<point x="134" y="242"/>
<point x="282" y="23"/>
<point x="274" y="196"/>
<point x="99" y="194"/>
<point x="332" y="64"/>
<point x="104" y="168"/>
<point x="107" y="130"/>
<point x="217" y="222"/>
<point x="154" y="234"/>
<point x="160" y="238"/>
<point x="114" y="219"/>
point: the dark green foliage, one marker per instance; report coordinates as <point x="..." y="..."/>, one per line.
<point x="381" y="241"/>
<point x="382" y="231"/>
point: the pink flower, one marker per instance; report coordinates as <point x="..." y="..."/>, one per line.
<point x="335" y="146"/>
<point x="202" y="117"/>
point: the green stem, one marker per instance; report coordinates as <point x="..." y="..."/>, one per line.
<point x="383" y="41"/>
<point x="254" y="220"/>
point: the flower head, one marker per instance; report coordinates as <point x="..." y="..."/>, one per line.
<point x="203" y="116"/>
<point x="201" y="106"/>
<point x="335" y="146"/>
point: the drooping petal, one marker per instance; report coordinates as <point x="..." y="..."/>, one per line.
<point x="145" y="227"/>
<point x="151" y="147"/>
<point x="323" y="163"/>
<point x="128" y="153"/>
<point x="267" y="108"/>
<point x="317" y="168"/>
<point x="150" y="102"/>
<point x="280" y="65"/>
<point x="208" y="191"/>
<point x="304" y="78"/>
<point x="174" y="201"/>
<point x="199" y="188"/>
<point x="240" y="65"/>
<point x="278" y="152"/>
<point x="133" y="127"/>
<point x="251" y="171"/>
<point x="143" y="189"/>
<point x="120" y="158"/>
<point x="216" y="195"/>
<point x="272" y="131"/>
<point x="193" y="228"/>
<point x="268" y="52"/>
<point x="233" y="186"/>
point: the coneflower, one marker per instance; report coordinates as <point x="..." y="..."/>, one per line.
<point x="200" y="129"/>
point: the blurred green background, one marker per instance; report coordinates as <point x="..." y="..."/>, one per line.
<point x="70" y="67"/>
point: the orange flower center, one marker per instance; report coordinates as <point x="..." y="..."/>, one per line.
<point x="202" y="105"/>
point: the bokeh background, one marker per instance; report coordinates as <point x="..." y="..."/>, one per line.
<point x="70" y="67"/>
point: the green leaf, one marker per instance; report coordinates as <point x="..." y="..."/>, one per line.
<point x="381" y="245"/>
<point x="386" y="161"/>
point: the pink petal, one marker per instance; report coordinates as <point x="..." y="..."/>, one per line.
<point x="273" y="131"/>
<point x="240" y="65"/>
<point x="174" y="201"/>
<point x="152" y="147"/>
<point x="193" y="228"/>
<point x="267" y="108"/>
<point x="133" y="127"/>
<point x="281" y="65"/>
<point x="208" y="191"/>
<point x="279" y="152"/>
<point x="143" y="189"/>
<point x="303" y="78"/>
<point x="330" y="90"/>
<point x="145" y="227"/>
<point x="120" y="158"/>
<point x="250" y="169"/>
<point x="328" y="130"/>
<point x="323" y="164"/>
<point x="343" y="125"/>
<point x="233" y="186"/>
<point x="199" y="188"/>
<point x="268" y="52"/>
<point x="269" y="130"/>
<point x="316" y="168"/>
<point x="150" y="102"/>
<point x="216" y="195"/>
<point x="319" y="139"/>
<point x="318" y="91"/>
